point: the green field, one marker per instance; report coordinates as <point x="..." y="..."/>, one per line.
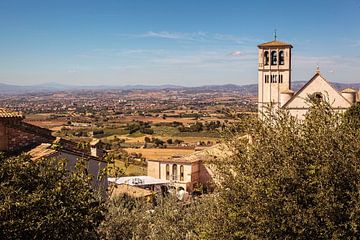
<point x="132" y="169"/>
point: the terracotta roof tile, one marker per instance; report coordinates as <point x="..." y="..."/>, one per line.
<point x="42" y="151"/>
<point x="216" y="151"/>
<point x="275" y="44"/>
<point x="6" y="113"/>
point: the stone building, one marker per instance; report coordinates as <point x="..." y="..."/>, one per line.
<point x="189" y="171"/>
<point x="17" y="136"/>
<point x="274" y="82"/>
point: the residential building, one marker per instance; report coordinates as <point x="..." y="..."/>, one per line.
<point x="17" y="136"/>
<point x="187" y="172"/>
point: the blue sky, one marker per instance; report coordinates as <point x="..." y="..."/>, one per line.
<point x="190" y="43"/>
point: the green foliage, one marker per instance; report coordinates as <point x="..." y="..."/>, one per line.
<point x="177" y="141"/>
<point x="158" y="142"/>
<point x="196" y="127"/>
<point x="147" y="131"/>
<point x="212" y="125"/>
<point x="292" y="180"/>
<point x="352" y="115"/>
<point x="42" y="200"/>
<point x="143" y="127"/>
<point x="138" y="219"/>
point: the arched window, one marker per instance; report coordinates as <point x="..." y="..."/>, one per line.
<point x="281" y="58"/>
<point x="167" y="172"/>
<point x="174" y="172"/>
<point x="266" y="58"/>
<point x="182" y="173"/>
<point x="273" y="58"/>
<point x="317" y="96"/>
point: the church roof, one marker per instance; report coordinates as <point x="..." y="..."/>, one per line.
<point x="307" y="84"/>
<point x="6" y="113"/>
<point x="275" y="43"/>
<point x="348" y="90"/>
<point x="288" y="91"/>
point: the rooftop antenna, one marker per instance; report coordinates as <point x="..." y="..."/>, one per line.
<point x="275" y="36"/>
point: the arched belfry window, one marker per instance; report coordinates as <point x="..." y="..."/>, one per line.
<point x="266" y="58"/>
<point x="273" y="58"/>
<point x="281" y="58"/>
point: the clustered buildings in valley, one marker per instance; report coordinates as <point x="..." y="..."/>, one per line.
<point x="187" y="172"/>
<point x="117" y="102"/>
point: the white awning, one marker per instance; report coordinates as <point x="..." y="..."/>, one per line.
<point x="138" y="181"/>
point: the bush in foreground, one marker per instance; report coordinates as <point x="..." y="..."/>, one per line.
<point x="42" y="200"/>
<point x="293" y="180"/>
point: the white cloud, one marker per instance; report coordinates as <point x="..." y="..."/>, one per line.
<point x="192" y="36"/>
<point x="236" y="54"/>
<point x="356" y="44"/>
<point x="167" y="35"/>
<point x="199" y="36"/>
<point x="73" y="70"/>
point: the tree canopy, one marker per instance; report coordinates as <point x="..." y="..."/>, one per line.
<point x="42" y="200"/>
<point x="292" y="180"/>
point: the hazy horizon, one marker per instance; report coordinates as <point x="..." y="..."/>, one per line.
<point x="182" y="43"/>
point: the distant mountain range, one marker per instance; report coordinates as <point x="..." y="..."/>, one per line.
<point x="250" y="89"/>
<point x="52" y="87"/>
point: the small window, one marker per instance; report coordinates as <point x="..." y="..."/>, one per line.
<point x="266" y="58"/>
<point x="280" y="78"/>
<point x="181" y="173"/>
<point x="167" y="172"/>
<point x="174" y="172"/>
<point x="266" y="78"/>
<point x="273" y="58"/>
<point x="281" y="58"/>
<point x="273" y="79"/>
<point x="316" y="96"/>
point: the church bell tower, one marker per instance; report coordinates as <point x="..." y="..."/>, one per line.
<point x="274" y="70"/>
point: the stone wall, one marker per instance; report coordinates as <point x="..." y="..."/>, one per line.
<point x="17" y="136"/>
<point x="3" y="137"/>
<point x="19" y="140"/>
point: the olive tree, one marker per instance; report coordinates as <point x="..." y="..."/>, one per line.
<point x="289" y="179"/>
<point x="42" y="200"/>
<point x="168" y="219"/>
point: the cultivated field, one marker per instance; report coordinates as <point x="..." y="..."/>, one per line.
<point x="159" y="153"/>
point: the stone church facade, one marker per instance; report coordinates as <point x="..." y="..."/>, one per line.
<point x="274" y="81"/>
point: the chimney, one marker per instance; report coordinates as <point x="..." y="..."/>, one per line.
<point x="96" y="148"/>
